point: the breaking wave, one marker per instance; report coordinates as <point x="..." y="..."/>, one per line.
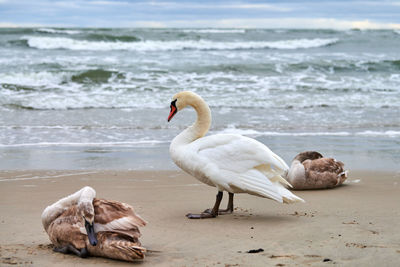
<point x="62" y="31"/>
<point x="74" y="44"/>
<point x="368" y="133"/>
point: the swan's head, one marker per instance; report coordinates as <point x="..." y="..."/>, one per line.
<point x="86" y="211"/>
<point x="182" y="100"/>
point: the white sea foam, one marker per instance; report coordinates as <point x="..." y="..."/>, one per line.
<point x="40" y="78"/>
<point x="159" y="142"/>
<point x="73" y="44"/>
<point x="46" y="177"/>
<point x="251" y="132"/>
<point x="380" y="133"/>
<point x="58" y="90"/>
<point x="50" y="30"/>
<point x="83" y="144"/>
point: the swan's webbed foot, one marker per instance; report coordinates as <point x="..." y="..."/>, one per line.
<point x="83" y="253"/>
<point x="220" y="212"/>
<point x="214" y="212"/>
<point x="203" y="215"/>
<point x="228" y="210"/>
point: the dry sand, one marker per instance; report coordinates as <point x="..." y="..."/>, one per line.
<point x="356" y="224"/>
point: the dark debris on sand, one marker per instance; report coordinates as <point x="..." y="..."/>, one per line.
<point x="255" y="250"/>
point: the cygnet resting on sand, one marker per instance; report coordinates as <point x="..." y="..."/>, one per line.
<point x="87" y="226"/>
<point x="310" y="170"/>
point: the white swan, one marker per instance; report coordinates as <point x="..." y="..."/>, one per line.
<point x="229" y="162"/>
<point x="84" y="225"/>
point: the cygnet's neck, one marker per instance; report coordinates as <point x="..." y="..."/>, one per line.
<point x="200" y="127"/>
<point x="296" y="172"/>
<point x="86" y="194"/>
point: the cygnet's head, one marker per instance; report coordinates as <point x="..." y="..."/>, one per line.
<point x="86" y="211"/>
<point x="311" y="155"/>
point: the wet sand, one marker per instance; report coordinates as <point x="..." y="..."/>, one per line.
<point x="355" y="224"/>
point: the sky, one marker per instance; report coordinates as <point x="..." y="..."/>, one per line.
<point x="338" y="14"/>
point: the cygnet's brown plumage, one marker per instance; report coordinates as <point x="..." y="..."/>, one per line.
<point x="310" y="170"/>
<point x="116" y="227"/>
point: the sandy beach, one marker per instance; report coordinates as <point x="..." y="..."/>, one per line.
<point x="356" y="224"/>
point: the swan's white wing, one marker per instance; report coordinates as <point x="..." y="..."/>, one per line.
<point x="240" y="164"/>
<point x="237" y="153"/>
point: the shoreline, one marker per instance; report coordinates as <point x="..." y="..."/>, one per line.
<point x="355" y="156"/>
<point x="349" y="225"/>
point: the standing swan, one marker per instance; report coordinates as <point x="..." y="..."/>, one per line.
<point x="229" y="162"/>
<point x="84" y="225"/>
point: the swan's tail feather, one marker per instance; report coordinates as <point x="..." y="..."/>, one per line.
<point x="287" y="196"/>
<point x="117" y="246"/>
<point x="274" y="175"/>
<point x="280" y="179"/>
<point x="255" y="182"/>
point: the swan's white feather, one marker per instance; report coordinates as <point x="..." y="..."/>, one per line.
<point x="236" y="152"/>
<point x="230" y="162"/>
<point x="236" y="164"/>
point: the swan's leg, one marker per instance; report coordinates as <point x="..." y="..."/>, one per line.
<point x="83" y="253"/>
<point x="212" y="214"/>
<point x="63" y="250"/>
<point x="229" y="208"/>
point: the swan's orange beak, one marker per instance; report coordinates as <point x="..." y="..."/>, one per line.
<point x="173" y="111"/>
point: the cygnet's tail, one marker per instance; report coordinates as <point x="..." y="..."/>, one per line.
<point x="117" y="246"/>
<point x="341" y="177"/>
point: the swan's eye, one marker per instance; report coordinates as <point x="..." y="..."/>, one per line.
<point x="173" y="103"/>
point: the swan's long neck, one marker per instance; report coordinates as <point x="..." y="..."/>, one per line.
<point x="86" y="194"/>
<point x="200" y="127"/>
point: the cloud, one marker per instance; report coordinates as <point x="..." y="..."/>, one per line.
<point x="107" y="3"/>
<point x="308" y="23"/>
<point x="338" y="14"/>
<point x="16" y="25"/>
<point x="8" y="25"/>
<point x="207" y="5"/>
<point x="285" y="23"/>
<point x="255" y="6"/>
<point x="147" y="24"/>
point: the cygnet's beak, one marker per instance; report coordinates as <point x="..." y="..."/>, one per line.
<point x="91" y="234"/>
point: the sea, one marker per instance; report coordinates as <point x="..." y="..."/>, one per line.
<point x="98" y="98"/>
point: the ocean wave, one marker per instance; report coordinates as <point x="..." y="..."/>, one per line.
<point x="109" y="89"/>
<point x="379" y="133"/>
<point x="17" y="30"/>
<point x="80" y="127"/>
<point x="215" y="30"/>
<point x="98" y="144"/>
<point x="31" y="79"/>
<point x="74" y="44"/>
<point x="112" y="38"/>
<point x="251" y="132"/>
<point x="94" y="76"/>
<point x="62" y="31"/>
